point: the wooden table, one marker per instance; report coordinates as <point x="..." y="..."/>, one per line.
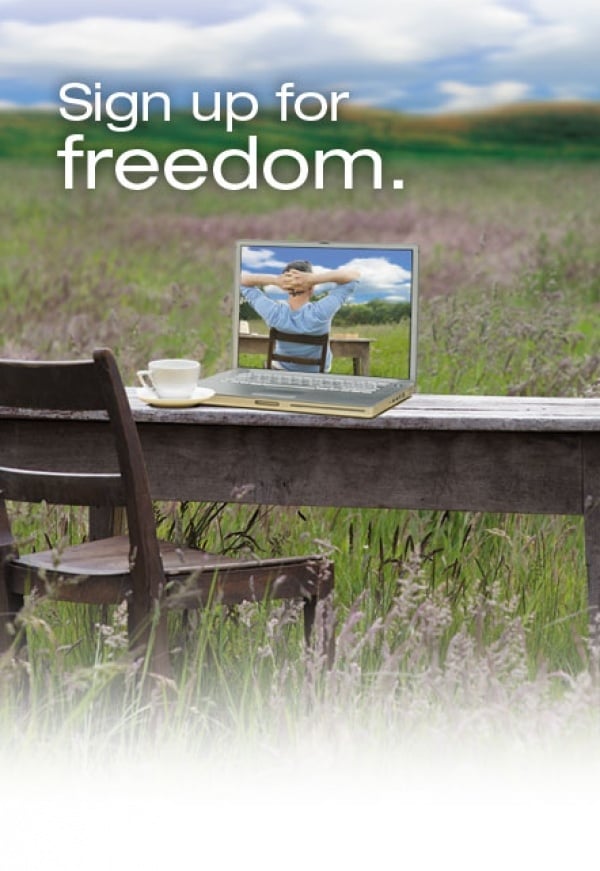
<point x="496" y="454"/>
<point x="358" y="349"/>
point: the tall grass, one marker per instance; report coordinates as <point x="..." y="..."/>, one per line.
<point x="469" y="622"/>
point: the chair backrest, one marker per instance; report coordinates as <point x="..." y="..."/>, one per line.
<point x="90" y="385"/>
<point x="321" y="344"/>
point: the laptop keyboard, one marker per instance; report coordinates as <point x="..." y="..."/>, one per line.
<point x="316" y="381"/>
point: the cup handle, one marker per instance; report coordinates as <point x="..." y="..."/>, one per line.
<point x="144" y="376"/>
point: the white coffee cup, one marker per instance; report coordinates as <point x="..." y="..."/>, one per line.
<point x="171" y="379"/>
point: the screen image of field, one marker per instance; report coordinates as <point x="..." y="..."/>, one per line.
<point x="372" y="332"/>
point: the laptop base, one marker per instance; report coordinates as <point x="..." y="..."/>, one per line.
<point x="234" y="389"/>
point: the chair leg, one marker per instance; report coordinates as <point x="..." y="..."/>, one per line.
<point x="161" y="660"/>
<point x="10" y="605"/>
<point x="141" y="634"/>
<point x="5" y="635"/>
<point x="309" y="612"/>
<point x="327" y="638"/>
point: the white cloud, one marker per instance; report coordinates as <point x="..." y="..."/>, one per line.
<point x="260" y="258"/>
<point x="273" y="37"/>
<point x="397" y="297"/>
<point x="559" y="50"/>
<point x="377" y="93"/>
<point x="384" y="50"/>
<point x="164" y="47"/>
<point x="12" y="105"/>
<point x="379" y="273"/>
<point x="465" y="98"/>
<point x="422" y="31"/>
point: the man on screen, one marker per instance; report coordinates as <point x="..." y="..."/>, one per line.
<point x="299" y="313"/>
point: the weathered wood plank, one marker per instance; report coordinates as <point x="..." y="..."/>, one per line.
<point x="58" y="445"/>
<point x="61" y="488"/>
<point x="528" y="473"/>
<point x="504" y="454"/>
<point x="420" y="412"/>
<point x="480" y="470"/>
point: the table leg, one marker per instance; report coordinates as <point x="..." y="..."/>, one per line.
<point x="360" y="362"/>
<point x="591" y="516"/>
<point x="106" y="521"/>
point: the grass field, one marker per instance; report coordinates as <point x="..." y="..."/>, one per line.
<point x="466" y="622"/>
<point x="561" y="130"/>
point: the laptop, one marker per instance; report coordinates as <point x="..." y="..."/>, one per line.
<point x="370" y="329"/>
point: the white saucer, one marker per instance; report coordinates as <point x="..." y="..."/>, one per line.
<point x="200" y="394"/>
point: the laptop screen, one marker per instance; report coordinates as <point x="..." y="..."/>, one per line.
<point x="363" y="298"/>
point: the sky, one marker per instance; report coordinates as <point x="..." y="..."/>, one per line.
<point x="385" y="273"/>
<point x="428" y="56"/>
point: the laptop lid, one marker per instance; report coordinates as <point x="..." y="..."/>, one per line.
<point x="370" y="329"/>
<point x="374" y="332"/>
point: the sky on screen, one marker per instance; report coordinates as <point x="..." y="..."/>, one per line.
<point x="384" y="274"/>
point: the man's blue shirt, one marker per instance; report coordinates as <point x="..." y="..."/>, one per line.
<point x="313" y="318"/>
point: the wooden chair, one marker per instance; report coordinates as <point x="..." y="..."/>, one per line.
<point x="151" y="575"/>
<point x="321" y="344"/>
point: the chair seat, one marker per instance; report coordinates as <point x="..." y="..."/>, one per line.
<point x="110" y="556"/>
<point x="152" y="576"/>
<point x="98" y="572"/>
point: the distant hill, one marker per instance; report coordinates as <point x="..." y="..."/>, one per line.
<point x="552" y="128"/>
<point x="529" y="130"/>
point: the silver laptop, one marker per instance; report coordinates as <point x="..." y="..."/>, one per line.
<point x="341" y="340"/>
